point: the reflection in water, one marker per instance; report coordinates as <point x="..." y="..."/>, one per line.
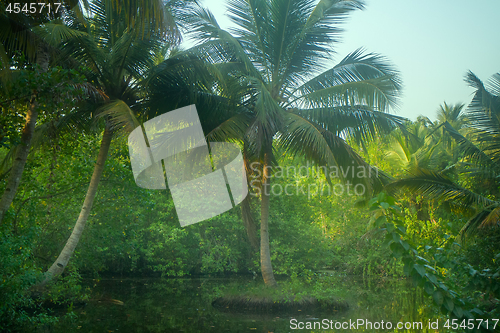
<point x="184" y="305"/>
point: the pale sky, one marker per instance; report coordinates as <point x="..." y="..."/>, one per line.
<point x="431" y="42"/>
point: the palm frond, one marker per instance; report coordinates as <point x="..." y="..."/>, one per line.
<point x="357" y="80"/>
<point x="484" y="109"/>
<point x="189" y="80"/>
<point x="158" y="13"/>
<point x="303" y="138"/>
<point x="133" y="55"/>
<point x="439" y="187"/>
<point x="319" y="30"/>
<point x="268" y="115"/>
<point x="233" y="129"/>
<point x="355" y="121"/>
<point x="16" y="30"/>
<point x="400" y="153"/>
<point x="119" y="115"/>
<point x="468" y="148"/>
<point x="489" y="217"/>
<point x="85" y="50"/>
<point x="56" y="32"/>
<point x="453" y="114"/>
<point x="207" y="30"/>
<point x="286" y="19"/>
<point x="203" y="25"/>
<point x="251" y="19"/>
<point x="494" y="84"/>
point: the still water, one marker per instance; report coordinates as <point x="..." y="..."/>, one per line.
<point x="184" y="305"/>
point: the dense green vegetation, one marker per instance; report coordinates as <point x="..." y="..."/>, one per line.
<point x="339" y="186"/>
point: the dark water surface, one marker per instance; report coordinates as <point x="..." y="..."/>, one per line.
<point x="184" y="305"/>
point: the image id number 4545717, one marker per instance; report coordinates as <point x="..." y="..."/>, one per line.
<point x="471" y="323"/>
<point x="33" y="7"/>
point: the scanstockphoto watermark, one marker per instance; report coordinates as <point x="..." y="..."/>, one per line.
<point x="293" y="176"/>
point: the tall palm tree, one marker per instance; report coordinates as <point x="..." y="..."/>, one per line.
<point x="481" y="156"/>
<point x="118" y="57"/>
<point x="23" y="32"/>
<point x="272" y="63"/>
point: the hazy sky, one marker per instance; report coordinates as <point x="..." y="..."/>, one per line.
<point x="431" y="42"/>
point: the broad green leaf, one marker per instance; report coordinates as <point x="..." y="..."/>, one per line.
<point x="420" y="269"/>
<point x="429" y="288"/>
<point x="457" y="311"/>
<point x="448" y="303"/>
<point x="380" y="220"/>
<point x="438" y="298"/>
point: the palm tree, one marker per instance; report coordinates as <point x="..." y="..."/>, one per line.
<point x="481" y="156"/>
<point x="406" y="146"/>
<point x="271" y="64"/>
<point x="117" y="57"/>
<point x="451" y="116"/>
<point x="426" y="145"/>
<point x="22" y="32"/>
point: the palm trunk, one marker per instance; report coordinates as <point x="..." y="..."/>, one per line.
<point x="265" y="253"/>
<point x="246" y="210"/>
<point x="23" y="148"/>
<point x="60" y="264"/>
<point x="249" y="222"/>
<point x="21" y="156"/>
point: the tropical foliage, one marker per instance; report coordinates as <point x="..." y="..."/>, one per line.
<point x="477" y="150"/>
<point x="74" y="84"/>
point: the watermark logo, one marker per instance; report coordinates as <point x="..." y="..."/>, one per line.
<point x="289" y="180"/>
<point x="205" y="179"/>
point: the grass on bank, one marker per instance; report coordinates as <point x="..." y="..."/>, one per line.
<point x="295" y="294"/>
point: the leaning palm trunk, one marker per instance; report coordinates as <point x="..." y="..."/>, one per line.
<point x="60" y="264"/>
<point x="265" y="253"/>
<point x="23" y="148"/>
<point x="20" y="158"/>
